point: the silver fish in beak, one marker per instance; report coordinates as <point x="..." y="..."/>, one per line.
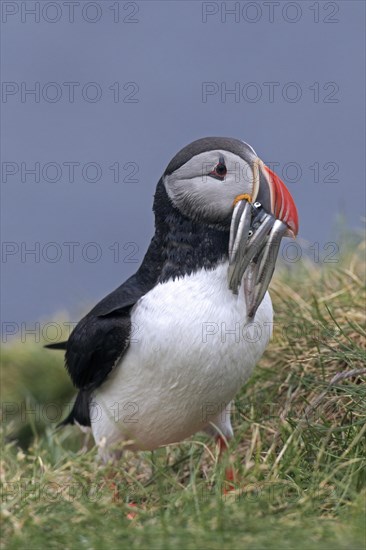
<point x="258" y="224"/>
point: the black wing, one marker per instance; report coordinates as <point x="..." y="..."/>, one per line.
<point x="102" y="337"/>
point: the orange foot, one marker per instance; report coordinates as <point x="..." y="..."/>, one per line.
<point x="131" y="515"/>
<point x="229" y="471"/>
<point x="116" y="498"/>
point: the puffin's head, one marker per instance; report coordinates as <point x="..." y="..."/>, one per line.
<point x="206" y="178"/>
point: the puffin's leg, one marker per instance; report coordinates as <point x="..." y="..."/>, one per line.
<point x="230" y="476"/>
<point x="114" y="456"/>
<point x="220" y="427"/>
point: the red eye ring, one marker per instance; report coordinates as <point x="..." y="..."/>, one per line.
<point x="219" y="172"/>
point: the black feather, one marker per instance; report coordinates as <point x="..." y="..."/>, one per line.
<point x="79" y="412"/>
<point x="58" y="345"/>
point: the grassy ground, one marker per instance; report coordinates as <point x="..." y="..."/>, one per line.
<point x="299" y="445"/>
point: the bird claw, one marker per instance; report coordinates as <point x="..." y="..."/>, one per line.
<point x="255" y="238"/>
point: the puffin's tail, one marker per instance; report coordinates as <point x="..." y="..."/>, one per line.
<point x="80" y="413"/>
<point x="58" y="345"/>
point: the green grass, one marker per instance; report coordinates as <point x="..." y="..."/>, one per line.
<point x="299" y="446"/>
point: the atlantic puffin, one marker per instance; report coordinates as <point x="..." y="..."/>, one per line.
<point x="163" y="356"/>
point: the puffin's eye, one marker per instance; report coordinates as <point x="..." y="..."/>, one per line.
<point x="221" y="169"/>
<point x="219" y="172"/>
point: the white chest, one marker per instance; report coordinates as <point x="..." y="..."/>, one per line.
<point x="191" y="350"/>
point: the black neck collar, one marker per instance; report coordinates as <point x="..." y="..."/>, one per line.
<point x="187" y="245"/>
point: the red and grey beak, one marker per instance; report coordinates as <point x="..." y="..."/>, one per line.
<point x="276" y="199"/>
<point x="258" y="224"/>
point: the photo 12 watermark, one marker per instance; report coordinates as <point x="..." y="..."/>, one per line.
<point x="70" y="252"/>
<point x="53" y="413"/>
<point x="48" y="332"/>
<point x="54" y="252"/>
<point x="69" y="92"/>
<point x="42" y="12"/>
<point x="82" y="490"/>
<point x="270" y="92"/>
<point x="69" y="171"/>
<point x="291" y="171"/>
<point x="270" y="12"/>
<point x="253" y="331"/>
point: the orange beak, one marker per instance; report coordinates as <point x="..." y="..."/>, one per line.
<point x="276" y="199"/>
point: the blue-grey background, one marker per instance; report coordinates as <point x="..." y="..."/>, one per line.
<point x="169" y="50"/>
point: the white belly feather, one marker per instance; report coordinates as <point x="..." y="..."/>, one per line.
<point x="191" y="351"/>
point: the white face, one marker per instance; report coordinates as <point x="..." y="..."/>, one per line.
<point x="205" y="187"/>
